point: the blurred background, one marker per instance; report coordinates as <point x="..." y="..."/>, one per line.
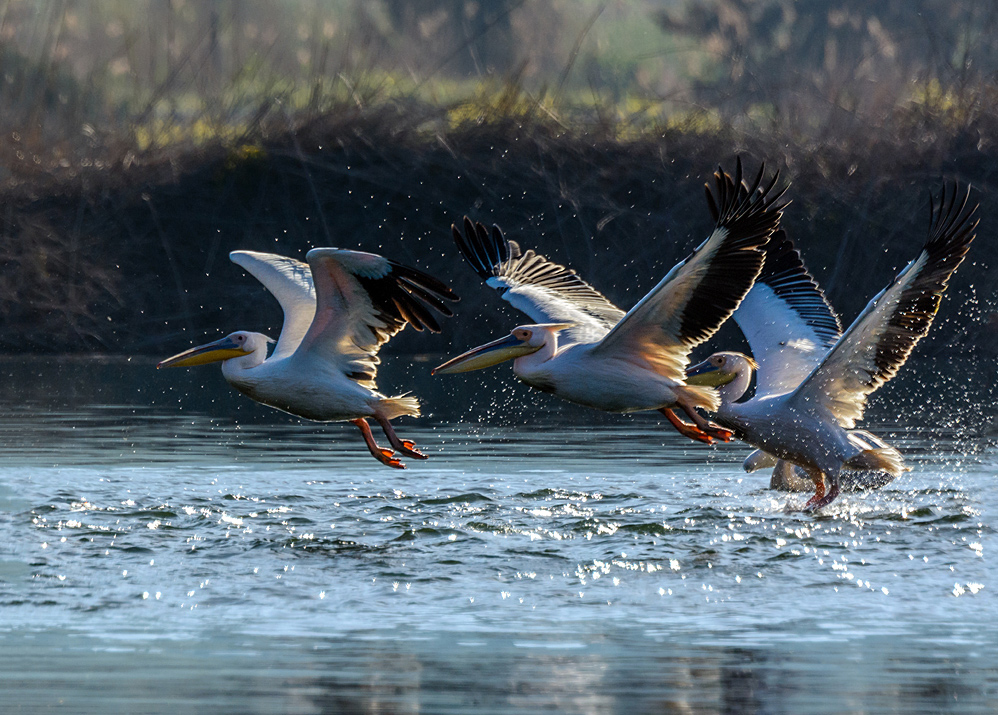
<point x="141" y="140"/>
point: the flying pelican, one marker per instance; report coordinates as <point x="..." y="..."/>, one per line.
<point x="810" y="422"/>
<point x="791" y="326"/>
<point x="339" y="309"/>
<point x="586" y="350"/>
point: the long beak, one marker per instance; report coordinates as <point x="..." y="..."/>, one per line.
<point x="707" y="374"/>
<point x="486" y="355"/>
<point x="203" y="354"/>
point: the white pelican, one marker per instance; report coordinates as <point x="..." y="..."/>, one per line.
<point x="338" y="311"/>
<point x="791" y="326"/>
<point x="587" y="351"/>
<point x="810" y="422"/>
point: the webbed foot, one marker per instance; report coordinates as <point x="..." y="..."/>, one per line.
<point x="383" y="455"/>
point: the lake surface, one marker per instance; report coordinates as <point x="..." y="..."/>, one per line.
<point x="167" y="546"/>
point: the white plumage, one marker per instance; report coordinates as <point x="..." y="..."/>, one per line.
<point x="339" y="309"/>
<point x="584" y="349"/>
<point x="812" y="388"/>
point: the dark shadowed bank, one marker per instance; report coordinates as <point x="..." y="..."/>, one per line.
<point x="129" y="254"/>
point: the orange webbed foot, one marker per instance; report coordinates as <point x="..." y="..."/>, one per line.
<point x="720" y="433"/>
<point x="389" y="459"/>
<point x="687" y="429"/>
<point x="695" y="433"/>
<point x="700" y="436"/>
<point x="404" y="446"/>
<point x="382" y="454"/>
<point x="408" y="447"/>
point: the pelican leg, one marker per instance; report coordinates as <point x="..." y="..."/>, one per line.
<point x="385" y="456"/>
<point x="821" y="496"/>
<point x="405" y="446"/>
<point x="786" y="478"/>
<point x="709" y="428"/>
<point x="685" y="428"/>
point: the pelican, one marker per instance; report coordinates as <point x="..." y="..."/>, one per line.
<point x="810" y="422"/>
<point x="339" y="309"/>
<point x="584" y="349"/>
<point x="791" y="326"/>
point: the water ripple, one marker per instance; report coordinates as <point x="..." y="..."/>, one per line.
<point x="179" y="527"/>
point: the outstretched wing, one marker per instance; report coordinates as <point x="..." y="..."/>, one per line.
<point x="701" y="292"/>
<point x="546" y="291"/>
<point x="362" y="300"/>
<point x="786" y="319"/>
<point x="289" y="281"/>
<point x="880" y="340"/>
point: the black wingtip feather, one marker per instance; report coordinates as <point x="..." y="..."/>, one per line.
<point x="952" y="227"/>
<point x="486" y="253"/>
<point x="405" y="294"/>
<point x="495" y="256"/>
<point x="421" y="293"/>
<point x="750" y="215"/>
<point x="423" y="280"/>
<point x="472" y="240"/>
<point x="785" y="273"/>
<point x="501" y="247"/>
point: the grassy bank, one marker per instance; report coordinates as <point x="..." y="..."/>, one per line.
<point x="127" y="252"/>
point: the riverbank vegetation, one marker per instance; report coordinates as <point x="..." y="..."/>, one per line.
<point x="141" y="142"/>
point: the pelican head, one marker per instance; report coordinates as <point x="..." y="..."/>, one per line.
<point x="524" y="340"/>
<point x="231" y="346"/>
<point x="720" y="369"/>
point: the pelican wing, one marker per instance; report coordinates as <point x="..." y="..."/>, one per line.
<point x="880" y="340"/>
<point x="546" y="291"/>
<point x="362" y="300"/>
<point x="701" y="292"/>
<point x="786" y="319"/>
<point x="289" y="281"/>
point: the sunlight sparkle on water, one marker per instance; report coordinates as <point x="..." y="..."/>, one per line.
<point x="300" y="541"/>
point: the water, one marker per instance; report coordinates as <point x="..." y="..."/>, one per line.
<point x="166" y="545"/>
